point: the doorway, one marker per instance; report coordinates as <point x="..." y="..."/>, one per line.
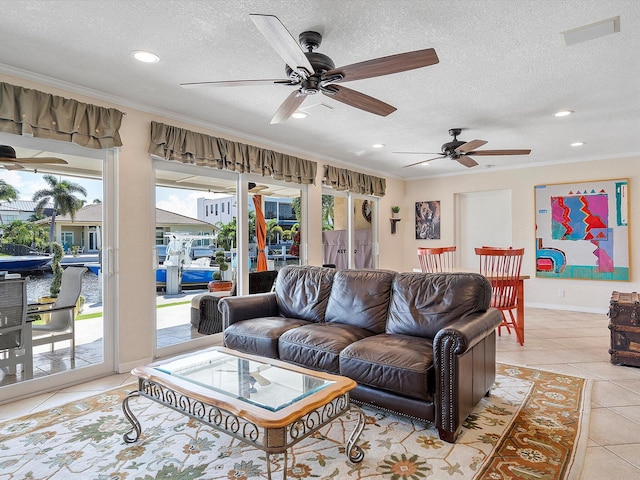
<point x="482" y="218"/>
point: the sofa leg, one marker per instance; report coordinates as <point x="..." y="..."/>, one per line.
<point x="447" y="436"/>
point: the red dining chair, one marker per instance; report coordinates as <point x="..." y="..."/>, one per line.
<point x="437" y="259"/>
<point x="502" y="267"/>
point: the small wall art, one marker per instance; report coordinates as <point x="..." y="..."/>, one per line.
<point x="582" y="230"/>
<point x="428" y="220"/>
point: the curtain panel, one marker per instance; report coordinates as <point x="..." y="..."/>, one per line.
<point x="33" y="113"/>
<point x="174" y="143"/>
<point x="356" y="182"/>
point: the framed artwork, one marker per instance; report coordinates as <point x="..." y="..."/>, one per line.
<point x="428" y="220"/>
<point x="582" y="230"/>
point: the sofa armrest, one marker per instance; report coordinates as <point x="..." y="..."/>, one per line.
<point x="466" y="332"/>
<point x="465" y="363"/>
<point x="235" y="309"/>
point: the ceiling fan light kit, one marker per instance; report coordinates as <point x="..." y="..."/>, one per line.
<point x="313" y="72"/>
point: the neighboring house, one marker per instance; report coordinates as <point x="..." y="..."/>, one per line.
<point x="20" y="210"/>
<point x="223" y="209"/>
<point x="84" y="230"/>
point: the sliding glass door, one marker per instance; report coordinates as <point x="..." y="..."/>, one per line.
<point x="212" y="229"/>
<point x="70" y="205"/>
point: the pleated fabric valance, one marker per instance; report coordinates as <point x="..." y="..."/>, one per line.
<point x="173" y="143"/>
<point x="24" y="111"/>
<point x="356" y="182"/>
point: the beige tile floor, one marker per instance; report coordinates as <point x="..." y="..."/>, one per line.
<point x="566" y="342"/>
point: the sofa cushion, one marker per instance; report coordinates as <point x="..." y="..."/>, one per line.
<point x="423" y="303"/>
<point x="399" y="363"/>
<point x="302" y="291"/>
<point x="318" y="345"/>
<point x="259" y="336"/>
<point x="360" y="298"/>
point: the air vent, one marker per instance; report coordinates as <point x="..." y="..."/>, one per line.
<point x="591" y="31"/>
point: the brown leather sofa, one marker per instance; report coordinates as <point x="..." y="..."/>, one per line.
<point x="418" y="344"/>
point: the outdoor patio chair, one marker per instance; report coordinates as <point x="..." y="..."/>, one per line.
<point x="14" y="330"/>
<point x="61" y="325"/>
<point x="210" y="320"/>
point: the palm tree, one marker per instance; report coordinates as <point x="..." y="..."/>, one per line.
<point x="7" y="192"/>
<point x="61" y="194"/>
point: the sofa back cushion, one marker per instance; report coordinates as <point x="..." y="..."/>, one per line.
<point x="302" y="291"/>
<point x="423" y="303"/>
<point x="360" y="298"/>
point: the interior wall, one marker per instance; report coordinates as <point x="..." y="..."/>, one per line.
<point x="579" y="295"/>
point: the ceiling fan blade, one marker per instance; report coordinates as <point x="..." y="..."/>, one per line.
<point x="290" y="105"/>
<point x="358" y="100"/>
<point x="470" y="146"/>
<point x="424" y="161"/>
<point x="236" y="83"/>
<point x="11" y="165"/>
<point x="501" y="152"/>
<point x="377" y="67"/>
<point x="467" y="161"/>
<point x="419" y="153"/>
<point x="283" y="43"/>
<point x="35" y="161"/>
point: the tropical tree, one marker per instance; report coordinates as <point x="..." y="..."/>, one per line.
<point x="25" y="233"/>
<point x="62" y="195"/>
<point x="226" y="234"/>
<point x="7" y="192"/>
<point x="327" y="212"/>
<point x="273" y="230"/>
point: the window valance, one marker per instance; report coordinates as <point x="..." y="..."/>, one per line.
<point x="356" y="182"/>
<point x="174" y="143"/>
<point x="24" y="111"/>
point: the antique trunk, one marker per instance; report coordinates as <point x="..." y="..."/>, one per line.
<point x="624" y="323"/>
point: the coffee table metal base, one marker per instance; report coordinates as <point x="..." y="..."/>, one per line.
<point x="270" y="440"/>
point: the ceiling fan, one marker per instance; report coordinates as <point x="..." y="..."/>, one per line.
<point x="460" y="151"/>
<point x="313" y="72"/>
<point x="9" y="160"/>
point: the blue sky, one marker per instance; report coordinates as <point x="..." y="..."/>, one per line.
<point x="174" y="200"/>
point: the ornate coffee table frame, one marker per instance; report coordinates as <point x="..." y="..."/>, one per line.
<point x="272" y="432"/>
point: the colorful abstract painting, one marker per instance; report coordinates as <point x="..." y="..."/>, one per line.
<point x="582" y="230"/>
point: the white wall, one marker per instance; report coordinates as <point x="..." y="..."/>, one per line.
<point x="580" y="295"/>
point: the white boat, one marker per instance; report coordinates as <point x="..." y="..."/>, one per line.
<point x="178" y="260"/>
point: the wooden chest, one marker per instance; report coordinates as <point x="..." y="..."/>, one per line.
<point x="624" y="323"/>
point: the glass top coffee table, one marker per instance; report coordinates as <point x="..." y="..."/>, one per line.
<point x="266" y="403"/>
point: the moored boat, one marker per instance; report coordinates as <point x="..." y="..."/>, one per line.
<point x="23" y="263"/>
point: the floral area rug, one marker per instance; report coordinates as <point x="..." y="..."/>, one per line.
<point x="533" y="426"/>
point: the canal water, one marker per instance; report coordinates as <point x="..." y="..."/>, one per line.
<point x="38" y="286"/>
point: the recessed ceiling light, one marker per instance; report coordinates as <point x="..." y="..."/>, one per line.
<point x="563" y="113"/>
<point x="378" y="145"/>
<point x="577" y="144"/>
<point x="425" y="164"/>
<point x="299" y="115"/>
<point x="145" y="57"/>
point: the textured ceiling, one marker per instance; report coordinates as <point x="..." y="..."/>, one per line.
<point x="504" y="70"/>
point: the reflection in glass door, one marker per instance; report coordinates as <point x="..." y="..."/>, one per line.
<point x="343" y="227"/>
